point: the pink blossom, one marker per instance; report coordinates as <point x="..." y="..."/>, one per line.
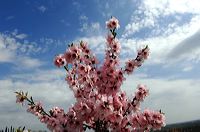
<point x="141" y="92"/>
<point x="44" y="118"/>
<point x="144" y="52"/>
<point x="68" y="57"/>
<point x="100" y="103"/>
<point x="116" y="102"/>
<point x="109" y="39"/>
<point x="124" y="122"/>
<point x="112" y="23"/>
<point x="158" y="120"/>
<point x="130" y="66"/>
<point x="59" y="60"/>
<point x="142" y="121"/>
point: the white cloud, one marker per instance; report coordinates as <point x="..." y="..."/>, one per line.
<point x="83" y="18"/>
<point x="170" y="44"/>
<point x="7" y="48"/>
<point x="12" y="51"/>
<point x="42" y="8"/>
<point x="18" y="35"/>
<point x="95" y="26"/>
<point x="40" y="75"/>
<point x="91" y="29"/>
<point x="170" y="6"/>
<point x="5" y="56"/>
<point x="114" y="7"/>
<point x="167" y="94"/>
<point x="21" y="36"/>
<point x="49" y="42"/>
<point x="139" y="21"/>
<point x="189" y="47"/>
<point x="150" y="11"/>
<point x="47" y="86"/>
<point x="28" y="62"/>
<point x="141" y="18"/>
<point x="84" y="27"/>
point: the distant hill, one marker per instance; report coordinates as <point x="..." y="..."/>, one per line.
<point x="191" y="126"/>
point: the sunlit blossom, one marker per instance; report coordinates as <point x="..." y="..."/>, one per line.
<point x="100" y="104"/>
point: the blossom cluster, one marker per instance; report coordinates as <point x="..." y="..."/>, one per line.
<point x="113" y="23"/>
<point x="100" y="103"/>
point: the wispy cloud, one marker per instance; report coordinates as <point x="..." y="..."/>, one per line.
<point x="14" y="52"/>
<point x="10" y="18"/>
<point x="89" y="28"/>
<point x="149" y="13"/>
<point x="83" y="18"/>
<point x="21" y="36"/>
<point x="18" y="35"/>
<point x="170" y="7"/>
<point x="67" y="24"/>
<point x="76" y="4"/>
<point x="42" y="8"/>
<point x="114" y="7"/>
<point x="167" y="43"/>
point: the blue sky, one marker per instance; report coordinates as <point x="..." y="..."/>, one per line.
<point x="33" y="32"/>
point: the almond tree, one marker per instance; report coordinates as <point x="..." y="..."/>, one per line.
<point x="100" y="103"/>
